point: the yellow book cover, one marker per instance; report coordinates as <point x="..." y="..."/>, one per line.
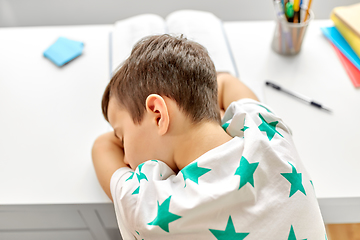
<point x="347" y="21"/>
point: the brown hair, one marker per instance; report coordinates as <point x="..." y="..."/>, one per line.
<point x="170" y="66"/>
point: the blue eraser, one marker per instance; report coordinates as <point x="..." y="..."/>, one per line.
<point x="63" y="51"/>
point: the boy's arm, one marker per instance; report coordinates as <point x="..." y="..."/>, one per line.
<point x="231" y="89"/>
<point x="107" y="156"/>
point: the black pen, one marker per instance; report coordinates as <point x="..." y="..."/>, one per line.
<point x="298" y="96"/>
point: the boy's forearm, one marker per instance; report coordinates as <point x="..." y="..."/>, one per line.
<point x="107" y="147"/>
<point x="231" y="89"/>
<point x="107" y="156"/>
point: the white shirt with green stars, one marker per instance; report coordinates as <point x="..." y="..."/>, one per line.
<point x="252" y="187"/>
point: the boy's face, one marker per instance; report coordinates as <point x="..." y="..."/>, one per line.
<point x="138" y="140"/>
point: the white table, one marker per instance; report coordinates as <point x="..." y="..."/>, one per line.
<point x="50" y="116"/>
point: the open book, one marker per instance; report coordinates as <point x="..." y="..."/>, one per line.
<point x="202" y="27"/>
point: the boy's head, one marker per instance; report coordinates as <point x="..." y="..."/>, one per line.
<point x="165" y="79"/>
<point x="169" y="66"/>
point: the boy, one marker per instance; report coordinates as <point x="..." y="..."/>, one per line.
<point x="174" y="173"/>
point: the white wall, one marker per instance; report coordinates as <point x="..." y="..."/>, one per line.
<point x="75" y="12"/>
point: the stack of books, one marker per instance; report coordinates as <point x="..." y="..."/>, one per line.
<point x="345" y="37"/>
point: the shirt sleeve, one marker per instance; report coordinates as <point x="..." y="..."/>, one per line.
<point x="117" y="180"/>
<point x="242" y="114"/>
<point x="136" y="195"/>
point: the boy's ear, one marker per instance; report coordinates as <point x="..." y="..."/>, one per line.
<point x="157" y="108"/>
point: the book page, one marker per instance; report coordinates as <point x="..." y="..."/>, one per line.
<point x="129" y="31"/>
<point x="206" y="29"/>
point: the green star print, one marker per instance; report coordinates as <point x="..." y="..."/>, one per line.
<point x="246" y="172"/>
<point x="229" y="232"/>
<point x="136" y="191"/>
<point x="141" y="175"/>
<point x="268" y="128"/>
<point x="132" y="175"/>
<point x="164" y="217"/>
<point x="245" y="127"/>
<point x="193" y="172"/>
<point x="295" y="179"/>
<point x="225" y="126"/>
<point x="292" y="234"/>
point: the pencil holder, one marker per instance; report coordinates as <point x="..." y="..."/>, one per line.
<point x="288" y="36"/>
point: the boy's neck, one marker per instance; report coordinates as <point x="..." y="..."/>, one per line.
<point x="197" y="140"/>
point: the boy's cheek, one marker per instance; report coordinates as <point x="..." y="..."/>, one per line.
<point x="125" y="160"/>
<point x="131" y="157"/>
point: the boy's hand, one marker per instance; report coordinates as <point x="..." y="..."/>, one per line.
<point x="231" y="89"/>
<point x="107" y="156"/>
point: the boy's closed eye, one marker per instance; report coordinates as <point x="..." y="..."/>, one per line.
<point x="122" y="143"/>
<point x="121" y="140"/>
